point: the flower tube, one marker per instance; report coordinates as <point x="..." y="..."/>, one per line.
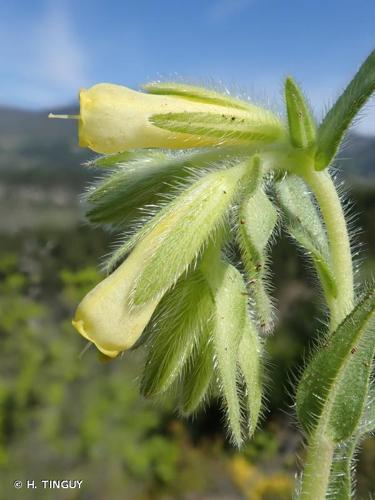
<point x="114" y="118"/>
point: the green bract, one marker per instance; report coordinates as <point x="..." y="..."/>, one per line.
<point x="182" y="319"/>
<point x="257" y="218"/>
<point x="223" y="127"/>
<point x="304" y="224"/>
<point x="234" y="336"/>
<point x="301" y="124"/>
<point x="200" y="94"/>
<point x="199" y="371"/>
<point x="340" y="116"/>
<point x="335" y="384"/>
<point x="196" y="195"/>
<point x="144" y="179"/>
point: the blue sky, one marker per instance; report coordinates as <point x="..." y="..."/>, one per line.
<point x="50" y="48"/>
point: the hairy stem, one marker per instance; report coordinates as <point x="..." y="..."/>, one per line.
<point x="327" y="197"/>
<point x="317" y="467"/>
<point x="321" y="449"/>
<point x="341" y="472"/>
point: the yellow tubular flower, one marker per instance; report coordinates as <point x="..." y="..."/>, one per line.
<point x="104" y="316"/>
<point x="114" y="118"/>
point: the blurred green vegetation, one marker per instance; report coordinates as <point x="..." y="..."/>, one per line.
<point x="65" y="413"/>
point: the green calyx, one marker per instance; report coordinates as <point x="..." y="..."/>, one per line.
<point x="228" y="127"/>
<point x="195" y="93"/>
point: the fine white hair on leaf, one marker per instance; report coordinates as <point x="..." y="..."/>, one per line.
<point x="255" y="224"/>
<point x="250" y="95"/>
<point x="179" y="320"/>
<point x="183" y="231"/>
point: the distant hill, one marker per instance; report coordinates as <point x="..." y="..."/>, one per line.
<point x="357" y="157"/>
<point x="36" y="150"/>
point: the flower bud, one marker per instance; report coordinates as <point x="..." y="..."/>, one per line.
<point x="104" y="316"/>
<point x="114" y="118"/>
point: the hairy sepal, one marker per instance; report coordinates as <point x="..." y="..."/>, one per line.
<point x="333" y="389"/>
<point x="196" y="93"/>
<point x="229" y="292"/>
<point x="181" y="320"/>
<point x="185" y="227"/>
<point x="302" y="130"/>
<point x="199" y="371"/>
<point x="257" y="219"/>
<point x="259" y="126"/>
<point x="108" y="161"/>
<point x="144" y="178"/>
<point x="250" y="363"/>
<point x="117" y="198"/>
<point x="340" y="116"/>
<point x="303" y="222"/>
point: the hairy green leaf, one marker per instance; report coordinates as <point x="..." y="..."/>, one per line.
<point x="229" y="291"/>
<point x="145" y="179"/>
<point x="199" y="371"/>
<point x="124" y="157"/>
<point x="257" y="218"/>
<point x="250" y="362"/>
<point x="262" y="126"/>
<point x="123" y="250"/>
<point x="340" y="483"/>
<point x="301" y="123"/>
<point x="188" y="222"/>
<point x="368" y="417"/>
<point x="342" y="113"/>
<point x="118" y="197"/>
<point x="304" y="224"/>
<point x="182" y="317"/>
<point x="333" y="389"/>
<point x="195" y="93"/>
